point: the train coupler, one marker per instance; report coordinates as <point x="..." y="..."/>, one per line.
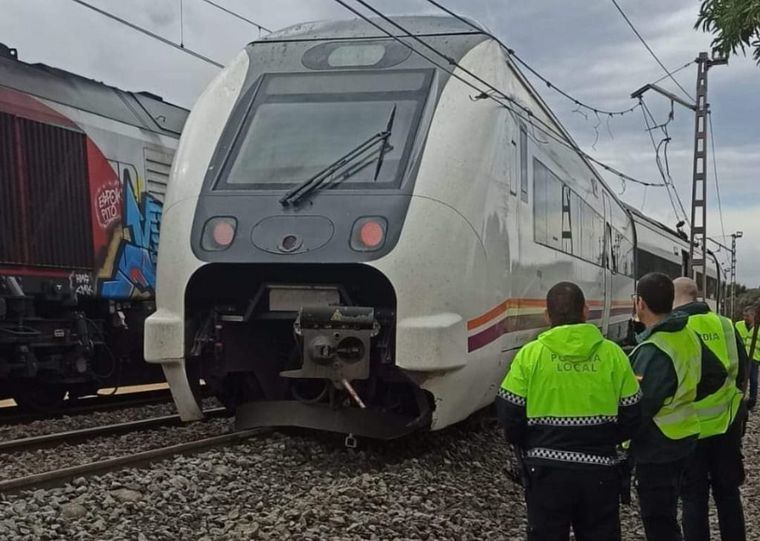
<point x="335" y="343"/>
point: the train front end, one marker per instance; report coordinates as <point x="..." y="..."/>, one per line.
<point x="280" y="282"/>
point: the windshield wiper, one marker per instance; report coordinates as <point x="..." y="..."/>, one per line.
<point x="294" y="196"/>
<point x="387" y="135"/>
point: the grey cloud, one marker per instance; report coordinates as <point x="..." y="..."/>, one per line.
<point x="584" y="47"/>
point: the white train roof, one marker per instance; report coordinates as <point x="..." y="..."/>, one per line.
<point x="359" y="28"/>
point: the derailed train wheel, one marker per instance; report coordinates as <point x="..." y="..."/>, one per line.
<point x="40" y="397"/>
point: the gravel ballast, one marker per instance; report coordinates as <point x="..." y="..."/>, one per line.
<point x="22" y="463"/>
<point x="91" y="419"/>
<point x="306" y="485"/>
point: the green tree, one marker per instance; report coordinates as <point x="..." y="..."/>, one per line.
<point x="748" y="297"/>
<point x="734" y="23"/>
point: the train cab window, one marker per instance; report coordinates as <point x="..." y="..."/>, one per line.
<point x="300" y="124"/>
<point x="523" y="163"/>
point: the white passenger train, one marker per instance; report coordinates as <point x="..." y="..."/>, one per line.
<point x="660" y="248"/>
<point x="353" y="240"/>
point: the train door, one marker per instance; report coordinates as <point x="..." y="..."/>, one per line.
<point x="607" y="264"/>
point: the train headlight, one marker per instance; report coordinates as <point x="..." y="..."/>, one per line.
<point x="218" y="233"/>
<point x="368" y="234"/>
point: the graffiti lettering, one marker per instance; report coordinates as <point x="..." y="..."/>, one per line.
<point x="109" y="205"/>
<point x="80" y="283"/>
<point x="135" y="268"/>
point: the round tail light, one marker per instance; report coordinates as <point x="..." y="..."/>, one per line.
<point x="369" y="234"/>
<point x="218" y="233"/>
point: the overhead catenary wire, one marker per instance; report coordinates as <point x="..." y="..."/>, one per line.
<point x="531" y="69"/>
<point x="649" y="130"/>
<point x="715" y="171"/>
<point x="512" y="105"/>
<point x="238" y="16"/>
<point x="673" y="72"/>
<point x="648" y="48"/>
<point x="149" y="33"/>
<point x="666" y="176"/>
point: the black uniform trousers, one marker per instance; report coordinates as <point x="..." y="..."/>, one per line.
<point x="658" y="486"/>
<point x="717" y="464"/>
<point x="586" y="499"/>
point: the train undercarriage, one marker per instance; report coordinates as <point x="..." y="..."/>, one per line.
<point x="54" y="346"/>
<point x="302" y="345"/>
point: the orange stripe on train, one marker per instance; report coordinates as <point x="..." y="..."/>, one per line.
<point x="501" y="309"/>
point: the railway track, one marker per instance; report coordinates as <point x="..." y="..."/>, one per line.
<point x="12" y="415"/>
<point x="74" y="436"/>
<point x="61" y="475"/>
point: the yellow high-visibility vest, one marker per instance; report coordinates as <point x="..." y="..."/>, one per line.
<point x="717" y="411"/>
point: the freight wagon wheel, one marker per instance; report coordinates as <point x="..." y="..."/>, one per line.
<point x="40" y="397"/>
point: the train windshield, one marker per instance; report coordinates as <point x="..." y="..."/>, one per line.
<point x="301" y="124"/>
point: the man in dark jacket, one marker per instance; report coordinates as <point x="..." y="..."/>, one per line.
<point x="674" y="369"/>
<point x="718" y="461"/>
<point x="568" y="399"/>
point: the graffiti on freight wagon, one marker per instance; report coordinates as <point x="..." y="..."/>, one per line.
<point x="133" y="273"/>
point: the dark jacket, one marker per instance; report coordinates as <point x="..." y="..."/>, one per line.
<point x="658" y="381"/>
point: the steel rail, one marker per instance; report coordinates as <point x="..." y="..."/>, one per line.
<point x="59" y="476"/>
<point x="82" y="406"/>
<point x="83" y="434"/>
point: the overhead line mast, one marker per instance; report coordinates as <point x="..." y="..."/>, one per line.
<point x="697" y="268"/>
<point x="699" y="178"/>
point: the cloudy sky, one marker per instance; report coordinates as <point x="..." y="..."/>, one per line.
<point x="583" y="46"/>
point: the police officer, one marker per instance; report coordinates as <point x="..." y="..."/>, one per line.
<point x="717" y="462"/>
<point x="745" y="330"/>
<point x="674" y="370"/>
<point x="568" y="399"/>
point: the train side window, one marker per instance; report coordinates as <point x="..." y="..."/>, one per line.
<point x="712" y="286"/>
<point x="588" y="244"/>
<point x="553" y="210"/>
<point x="547" y="206"/>
<point x="648" y="262"/>
<point x="576" y="225"/>
<point x="610" y="251"/>
<point x="513" y="177"/>
<point x="523" y="164"/>
<point x="599" y="237"/>
<point x="540" y="203"/>
<point x="564" y="221"/>
<point x="567" y="220"/>
<point x="622" y="254"/>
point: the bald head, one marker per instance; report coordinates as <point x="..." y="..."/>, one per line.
<point x="686" y="291"/>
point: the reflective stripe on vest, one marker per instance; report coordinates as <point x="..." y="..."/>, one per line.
<point x="677" y="419"/>
<point x="718" y="410"/>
